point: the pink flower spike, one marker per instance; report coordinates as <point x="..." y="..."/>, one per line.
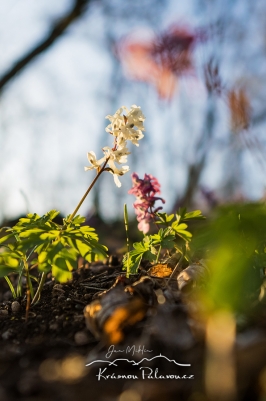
<point x="145" y="190"/>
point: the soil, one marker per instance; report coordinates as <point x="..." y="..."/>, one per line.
<point x="45" y="357"/>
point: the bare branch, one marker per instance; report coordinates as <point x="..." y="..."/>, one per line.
<point x="77" y="10"/>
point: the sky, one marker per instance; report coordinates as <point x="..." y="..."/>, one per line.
<point x="54" y="111"/>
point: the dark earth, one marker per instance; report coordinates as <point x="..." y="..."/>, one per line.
<point x="45" y="357"/>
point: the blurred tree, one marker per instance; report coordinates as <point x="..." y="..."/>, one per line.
<point x="77" y="10"/>
<point x="200" y="82"/>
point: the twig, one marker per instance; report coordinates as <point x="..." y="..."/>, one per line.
<point x="77" y="10"/>
<point x="176" y="269"/>
<point x="39" y="289"/>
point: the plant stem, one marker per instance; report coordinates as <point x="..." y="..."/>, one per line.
<point x="176" y="268"/>
<point x="126" y="227"/>
<point x="88" y="190"/>
<point x="39" y="289"/>
<point x="19" y="285"/>
<point x="12" y="289"/>
<point x="158" y="254"/>
<point x="28" y="283"/>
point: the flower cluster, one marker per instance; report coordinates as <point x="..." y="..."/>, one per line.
<point x="145" y="191"/>
<point x="124" y="128"/>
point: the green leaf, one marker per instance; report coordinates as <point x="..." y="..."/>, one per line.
<point x="44" y="267"/>
<point x="78" y="220"/>
<point x="42" y="256"/>
<point x="164" y="218"/>
<point x="5" y="270"/>
<point x="49" y="235"/>
<point x="181" y="231"/>
<point x="83" y="248"/>
<point x="5" y="238"/>
<point x="52" y="214"/>
<point x="150" y="255"/>
<point x="196" y="214"/>
<point x="60" y="274"/>
<point x="178" y="227"/>
<point x="31" y="231"/>
<point x="132" y="259"/>
<point x="11" y="261"/>
<point x="141" y="247"/>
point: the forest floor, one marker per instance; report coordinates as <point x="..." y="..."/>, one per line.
<point x="45" y="357"/>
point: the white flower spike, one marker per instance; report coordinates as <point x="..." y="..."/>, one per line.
<point x="93" y="161"/>
<point x="124" y="127"/>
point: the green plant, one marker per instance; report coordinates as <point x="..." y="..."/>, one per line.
<point x="38" y="242"/>
<point x="173" y="238"/>
<point x="234" y="242"/>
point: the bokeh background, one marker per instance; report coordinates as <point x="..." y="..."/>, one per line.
<point x="197" y="69"/>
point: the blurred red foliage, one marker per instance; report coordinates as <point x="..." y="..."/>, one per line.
<point x="162" y="59"/>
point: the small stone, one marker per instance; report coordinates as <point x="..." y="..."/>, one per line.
<point x="87" y="297"/>
<point x="7" y="335"/>
<point x="3" y="313"/>
<point x="39" y="317"/>
<point x="68" y="299"/>
<point x="79" y="307"/>
<point x="81" y="338"/>
<point x="15" y="307"/>
<point x="53" y="326"/>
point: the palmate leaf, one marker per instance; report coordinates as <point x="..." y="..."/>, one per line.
<point x="142" y="250"/>
<point x="132" y="260"/>
<point x="9" y="262"/>
<point x="165" y="238"/>
<point x="164" y="218"/>
<point x="181" y="231"/>
<point x="60" y="271"/>
<point x="78" y="220"/>
<point x="196" y="214"/>
<point x="57" y="246"/>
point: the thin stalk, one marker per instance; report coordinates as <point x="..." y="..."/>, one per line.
<point x="88" y="190"/>
<point x="176" y="268"/>
<point x="28" y="283"/>
<point x="39" y="289"/>
<point x="127" y="237"/>
<point x="12" y="289"/>
<point x="31" y="252"/>
<point x="158" y="254"/>
<point x="19" y="286"/>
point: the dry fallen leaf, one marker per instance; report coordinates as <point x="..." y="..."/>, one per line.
<point x="160" y="270"/>
<point x="111" y="314"/>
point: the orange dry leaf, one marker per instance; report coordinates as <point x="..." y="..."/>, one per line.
<point x="160" y="270"/>
<point x="122" y="317"/>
